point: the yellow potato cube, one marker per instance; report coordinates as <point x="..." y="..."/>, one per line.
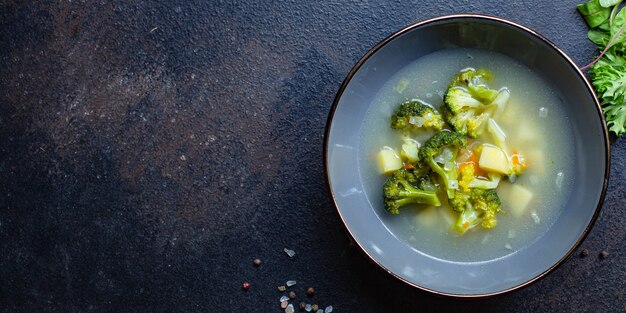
<point x="527" y="133"/>
<point x="409" y="151"/>
<point x="493" y="159"/>
<point x="428" y="217"/>
<point x="448" y="216"/>
<point x="518" y="199"/>
<point x="536" y="161"/>
<point x="389" y="161"/>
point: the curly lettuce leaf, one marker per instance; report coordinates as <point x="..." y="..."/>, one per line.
<point x="609" y="80"/>
<point x="616" y="117"/>
<point x="607" y="25"/>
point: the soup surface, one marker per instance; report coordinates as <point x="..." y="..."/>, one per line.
<point x="534" y="123"/>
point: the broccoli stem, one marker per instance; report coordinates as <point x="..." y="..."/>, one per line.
<point x="446" y="176"/>
<point x="467" y="220"/>
<point x="428" y="198"/>
<point x="414" y="195"/>
<point x="485" y="184"/>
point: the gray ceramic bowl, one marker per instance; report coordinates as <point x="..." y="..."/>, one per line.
<point x="363" y="221"/>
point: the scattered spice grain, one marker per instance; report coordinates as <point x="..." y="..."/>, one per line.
<point x="604" y="254"/>
<point x="584" y="253"/>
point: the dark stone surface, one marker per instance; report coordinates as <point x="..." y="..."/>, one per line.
<point x="150" y="151"/>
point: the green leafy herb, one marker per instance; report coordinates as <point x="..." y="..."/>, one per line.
<point x="607" y="23"/>
<point x="609" y="79"/>
<point x="601" y="38"/>
<point x="609" y="3"/>
<point x="594" y="13"/>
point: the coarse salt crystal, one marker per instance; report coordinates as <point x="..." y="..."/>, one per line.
<point x="328" y="309"/>
<point x="307" y="308"/>
<point x="320" y="311"/>
<point x="290" y="283"/>
<point x="284" y="304"/>
<point x="284" y="298"/>
<point x="289" y="309"/>
<point x="290" y="253"/>
<point x="508" y="246"/>
<point x="543" y="112"/>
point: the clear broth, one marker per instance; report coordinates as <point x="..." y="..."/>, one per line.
<point x="543" y="140"/>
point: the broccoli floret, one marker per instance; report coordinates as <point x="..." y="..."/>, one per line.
<point x="413" y="172"/>
<point x="415" y="114"/>
<point x="466" y="172"/>
<point x="398" y="191"/>
<point x="468" y="102"/>
<point x="416" y="172"/>
<point x="469" y="121"/>
<point x="459" y="99"/>
<point x="475" y="206"/>
<point x="437" y="144"/>
<point x="428" y="183"/>
<point x="475" y="81"/>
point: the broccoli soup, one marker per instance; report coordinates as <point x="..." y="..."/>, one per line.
<point x="464" y="155"/>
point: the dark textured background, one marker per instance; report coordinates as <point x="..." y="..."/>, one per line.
<point x="150" y="151"/>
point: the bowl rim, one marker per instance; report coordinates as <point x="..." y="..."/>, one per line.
<point x="447" y="18"/>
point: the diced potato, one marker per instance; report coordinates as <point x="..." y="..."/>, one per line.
<point x="401" y="86"/>
<point x="526" y="134"/>
<point x="493" y="159"/>
<point x="518" y="199"/>
<point x="389" y="161"/>
<point x="504" y="190"/>
<point x="536" y="161"/>
<point x="409" y="150"/>
<point x="448" y="216"/>
<point x="428" y="217"/>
